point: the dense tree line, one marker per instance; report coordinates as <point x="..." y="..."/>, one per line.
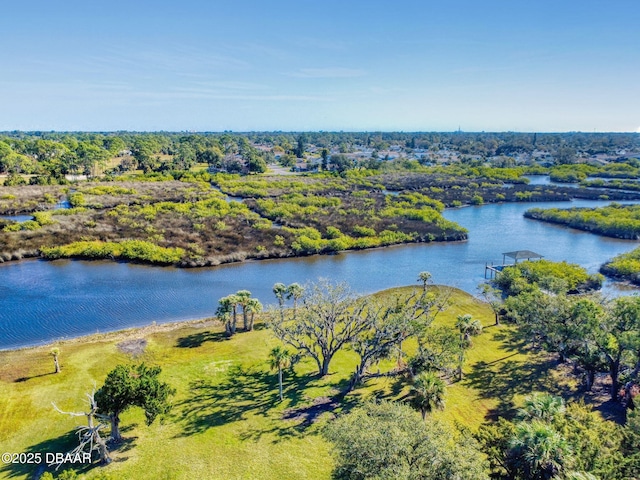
<point x="52" y="155"/>
<point x="619" y="221"/>
<point x="625" y="266"/>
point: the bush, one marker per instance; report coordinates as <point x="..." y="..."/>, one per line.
<point x="554" y="276"/>
<point x="135" y="250"/>
<point x="359" y="231"/>
<point x="77" y="199"/>
<point x="477" y="200"/>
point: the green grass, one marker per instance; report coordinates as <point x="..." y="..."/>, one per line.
<point x="226" y="422"/>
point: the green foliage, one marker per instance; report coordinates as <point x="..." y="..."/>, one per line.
<point x="136" y="250"/>
<point x="333" y="232"/>
<point x="477" y="200"/>
<point x="134" y="385"/>
<point x="571" y="173"/>
<point x="68" y="211"/>
<point x="625" y="265"/>
<point x="279" y="241"/>
<point x="631" y="444"/>
<point x="363" y="231"/>
<point x="77" y="199"/>
<point x="554" y="276"/>
<point x="615" y="220"/>
<point x="553" y="441"/>
<point x="539" y="452"/>
<point x="40" y="219"/>
<point x="427" y="393"/>
<point x="388" y="441"/>
<point x="599" y="335"/>
<point x="439" y="350"/>
<point x="43" y="218"/>
<point x="109" y="190"/>
<point x="13" y="179"/>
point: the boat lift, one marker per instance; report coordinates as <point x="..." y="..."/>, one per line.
<point x="493" y="270"/>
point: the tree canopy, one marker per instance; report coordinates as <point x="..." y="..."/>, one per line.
<point x="133" y="386"/>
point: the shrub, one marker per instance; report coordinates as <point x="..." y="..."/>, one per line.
<point x="333" y="232"/>
<point x="359" y="231"/>
<point x="77" y="199"/>
<point x="477" y="200"/>
<point x="137" y="250"/>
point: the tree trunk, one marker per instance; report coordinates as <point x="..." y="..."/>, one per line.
<point x="562" y="356"/>
<point x="245" y="319"/>
<point x="497" y="318"/>
<point x="357" y="376"/>
<point x="251" y="320"/>
<point x="423" y="411"/>
<point x="56" y="364"/>
<point x="115" y="430"/>
<point x="235" y="321"/>
<point x="324" y="369"/>
<point x="591" y="376"/>
<point x="227" y="328"/>
<point x="105" y="459"/>
<point x="614" y="371"/>
<point x="280" y="382"/>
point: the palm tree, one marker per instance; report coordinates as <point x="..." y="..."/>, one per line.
<point x="252" y="306"/>
<point x="295" y="291"/>
<point x="538" y="451"/>
<point x="424" y="277"/>
<point x="542" y="407"/>
<point x="243" y="297"/>
<point x="467" y="328"/>
<point x="55" y="352"/>
<point x="427" y="393"/>
<point x="224" y="311"/>
<point x="234" y="301"/>
<point x="279" y="358"/>
<point x="280" y="291"/>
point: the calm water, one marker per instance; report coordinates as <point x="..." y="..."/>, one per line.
<point x="23" y="218"/>
<point x="43" y="301"/>
<point x="17" y="218"/>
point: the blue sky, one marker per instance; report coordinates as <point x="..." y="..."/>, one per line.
<point x="322" y="65"/>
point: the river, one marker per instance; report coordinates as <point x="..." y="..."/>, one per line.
<point x="42" y="301"/>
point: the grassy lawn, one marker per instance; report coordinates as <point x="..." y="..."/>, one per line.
<point x="227" y="422"/>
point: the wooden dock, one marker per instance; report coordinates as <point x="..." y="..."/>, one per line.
<point x="493" y="270"/>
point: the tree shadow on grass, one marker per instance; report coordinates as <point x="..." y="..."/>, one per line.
<point x="123" y="446"/>
<point x="244" y="392"/>
<point x="296" y="421"/>
<point x="24" y="379"/>
<point x="62" y="444"/>
<point x="505" y="378"/>
<point x="197" y="339"/>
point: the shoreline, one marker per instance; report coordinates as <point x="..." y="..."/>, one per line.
<point x="38" y="256"/>
<point x="124" y="334"/>
<point x="119" y="335"/>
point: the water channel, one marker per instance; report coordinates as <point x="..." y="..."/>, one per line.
<point x="43" y="301"/>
